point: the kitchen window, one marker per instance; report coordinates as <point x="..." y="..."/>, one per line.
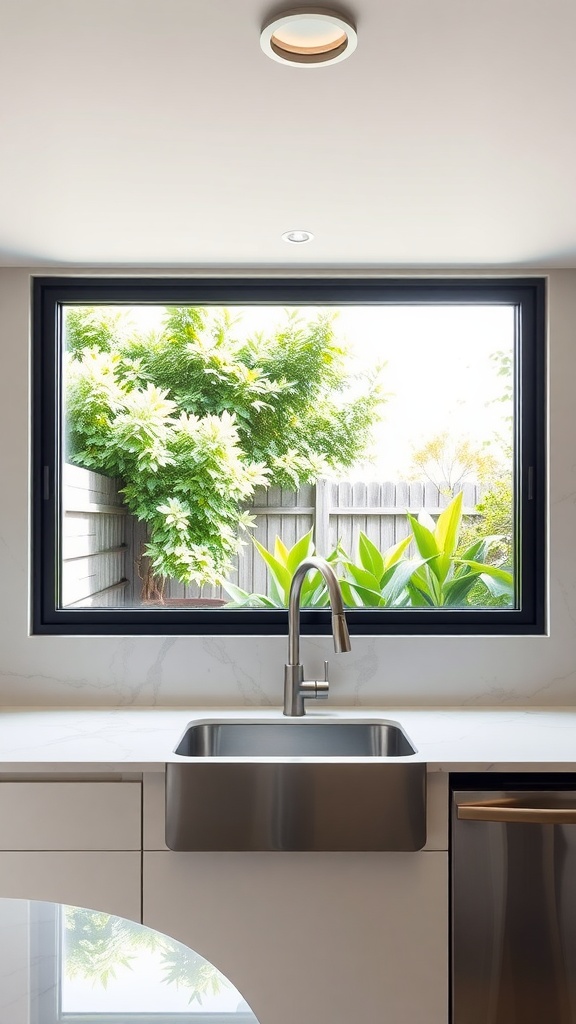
<point x="194" y="439"/>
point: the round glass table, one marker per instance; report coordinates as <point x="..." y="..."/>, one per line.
<point x="69" y="965"/>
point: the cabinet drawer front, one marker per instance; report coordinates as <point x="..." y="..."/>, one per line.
<point x="99" y="881"/>
<point x="70" y="815"/>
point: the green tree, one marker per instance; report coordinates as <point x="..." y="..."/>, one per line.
<point x="504" y="362"/>
<point x="496" y="507"/>
<point x="496" y="519"/>
<point x="192" y="418"/>
<point x="447" y="461"/>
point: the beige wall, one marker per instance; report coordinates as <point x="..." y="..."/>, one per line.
<point x="206" y="671"/>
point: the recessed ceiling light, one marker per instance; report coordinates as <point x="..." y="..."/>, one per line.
<point x="308" y="37"/>
<point x="298" y="236"/>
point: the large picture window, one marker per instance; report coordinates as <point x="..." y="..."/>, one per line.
<point x="194" y="440"/>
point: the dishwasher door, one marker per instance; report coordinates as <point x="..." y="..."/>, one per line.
<point x="514" y="906"/>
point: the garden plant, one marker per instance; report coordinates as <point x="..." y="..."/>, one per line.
<point x="438" y="574"/>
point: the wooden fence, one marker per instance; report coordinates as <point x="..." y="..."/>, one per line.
<point x="97" y="543"/>
<point x="103" y="545"/>
<point x="337" y="511"/>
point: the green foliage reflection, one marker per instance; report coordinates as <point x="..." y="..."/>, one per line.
<point x="98" y="947"/>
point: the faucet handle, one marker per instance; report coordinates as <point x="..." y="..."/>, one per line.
<point x="315" y="689"/>
<point x="322" y="685"/>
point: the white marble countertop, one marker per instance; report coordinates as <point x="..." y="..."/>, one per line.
<point x="49" y="740"/>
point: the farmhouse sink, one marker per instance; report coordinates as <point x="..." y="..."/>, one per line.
<point x="302" y="784"/>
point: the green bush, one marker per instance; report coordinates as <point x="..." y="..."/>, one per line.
<point x="282" y="563"/>
<point x="496" y="520"/>
<point x="375" y="579"/>
<point x="448" y="579"/>
<point x="436" y="576"/>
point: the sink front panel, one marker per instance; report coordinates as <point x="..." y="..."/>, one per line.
<point x="293" y="805"/>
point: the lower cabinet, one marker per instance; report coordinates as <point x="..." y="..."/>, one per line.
<point x="329" y="938"/>
<point x="72" y="842"/>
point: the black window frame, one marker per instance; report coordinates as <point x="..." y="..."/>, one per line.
<point x="527" y="295"/>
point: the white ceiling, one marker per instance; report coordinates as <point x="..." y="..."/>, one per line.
<point x="156" y="132"/>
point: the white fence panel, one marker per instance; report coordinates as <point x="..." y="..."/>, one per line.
<point x="96" y="542"/>
<point x="338" y="512"/>
<point x="103" y="546"/>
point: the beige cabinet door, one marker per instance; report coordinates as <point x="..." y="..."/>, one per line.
<point x="330" y="938"/>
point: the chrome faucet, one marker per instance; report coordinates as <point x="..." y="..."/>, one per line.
<point x="296" y="688"/>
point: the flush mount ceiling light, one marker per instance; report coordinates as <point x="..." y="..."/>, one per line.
<point x="297" y="237"/>
<point x="308" y="37"/>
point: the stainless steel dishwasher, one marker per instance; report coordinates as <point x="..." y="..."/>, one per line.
<point x="513" y="899"/>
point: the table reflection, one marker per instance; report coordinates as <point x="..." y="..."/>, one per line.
<point x="69" y="965"/>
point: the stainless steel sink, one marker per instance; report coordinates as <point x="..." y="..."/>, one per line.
<point x="299" y="738"/>
<point x="296" y="784"/>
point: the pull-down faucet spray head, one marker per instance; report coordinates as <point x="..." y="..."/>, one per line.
<point x="340" y="632"/>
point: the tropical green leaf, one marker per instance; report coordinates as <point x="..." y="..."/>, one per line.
<point x="456" y="592"/>
<point x="302" y="549"/>
<point x="398" y="578"/>
<point x="478" y="551"/>
<point x="350" y="595"/>
<point x="502" y="577"/>
<point x="364" y="596"/>
<point x="426" y="520"/>
<point x="448" y="526"/>
<point x="362" y="576"/>
<point x="418" y="597"/>
<point x="495" y="587"/>
<point x="428" y="583"/>
<point x="442" y="567"/>
<point x="312" y="588"/>
<point x="498" y="582"/>
<point x="280" y="550"/>
<point x="425" y="539"/>
<point x="279" y="573"/>
<point x="242" y="599"/>
<point x="238" y="595"/>
<point x="278" y="595"/>
<point x="394" y="554"/>
<point x="337" y="554"/>
<point x="370" y="557"/>
<point x="319" y="598"/>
